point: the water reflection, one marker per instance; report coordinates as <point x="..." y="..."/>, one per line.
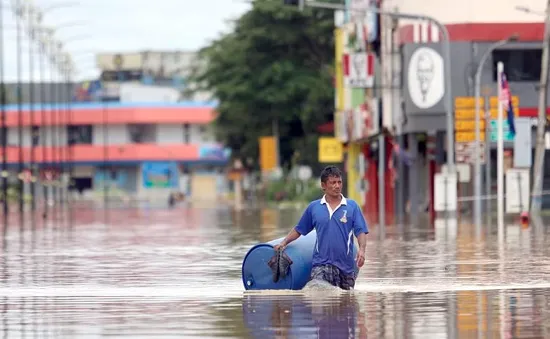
<point x="301" y="316"/>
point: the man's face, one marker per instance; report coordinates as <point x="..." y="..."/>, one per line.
<point x="333" y="186"/>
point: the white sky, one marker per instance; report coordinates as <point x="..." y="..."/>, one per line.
<point x="122" y="25"/>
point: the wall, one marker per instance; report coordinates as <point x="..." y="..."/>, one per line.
<point x="115" y="134"/>
<point x="47" y="92"/>
<point x="131" y="92"/>
<point x="59" y="134"/>
<point x="119" y="134"/>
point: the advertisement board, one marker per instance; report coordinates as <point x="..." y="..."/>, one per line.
<point x="160" y="175"/>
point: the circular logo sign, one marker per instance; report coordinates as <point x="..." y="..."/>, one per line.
<point x="426" y="80"/>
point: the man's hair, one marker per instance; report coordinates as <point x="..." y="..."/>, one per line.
<point x="330" y="171"/>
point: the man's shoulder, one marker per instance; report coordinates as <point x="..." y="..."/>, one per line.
<point x="352" y="203"/>
<point x="314" y="203"/>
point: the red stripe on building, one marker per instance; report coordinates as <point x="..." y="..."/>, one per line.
<point x="531" y="31"/>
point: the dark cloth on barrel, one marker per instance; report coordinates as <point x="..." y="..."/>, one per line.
<point x="334" y="276"/>
<point x="279" y="264"/>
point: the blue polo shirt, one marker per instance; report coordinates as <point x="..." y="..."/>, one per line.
<point x="335" y="232"/>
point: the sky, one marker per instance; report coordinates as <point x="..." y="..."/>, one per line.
<point x="89" y="27"/>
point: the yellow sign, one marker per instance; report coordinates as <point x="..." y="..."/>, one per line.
<point x="493" y="101"/>
<point x="468" y="125"/>
<point x="268" y="153"/>
<point x="331" y="150"/>
<point x="467" y="102"/>
<point x="494" y="113"/>
<point x="470" y="102"/>
<point x="470" y="114"/>
<point x="468" y="136"/>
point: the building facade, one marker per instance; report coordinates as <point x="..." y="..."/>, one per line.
<point x="409" y="82"/>
<point x="131" y="150"/>
<point x="129" y="134"/>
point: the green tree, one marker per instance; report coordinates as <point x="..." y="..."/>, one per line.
<point x="274" y="69"/>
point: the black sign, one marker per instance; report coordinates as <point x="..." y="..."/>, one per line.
<point x="126" y="75"/>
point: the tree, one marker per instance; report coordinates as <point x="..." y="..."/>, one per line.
<point x="275" y="68"/>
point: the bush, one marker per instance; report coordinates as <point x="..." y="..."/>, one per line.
<point x="292" y="190"/>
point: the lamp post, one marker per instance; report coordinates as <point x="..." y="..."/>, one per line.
<point x="477" y="148"/>
<point x="540" y="150"/>
<point x="18" y="9"/>
<point x="38" y="34"/>
<point x="4" y="172"/>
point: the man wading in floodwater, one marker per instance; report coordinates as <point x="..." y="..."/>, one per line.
<point x="335" y="219"/>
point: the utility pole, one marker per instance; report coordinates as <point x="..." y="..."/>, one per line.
<point x="540" y="151"/>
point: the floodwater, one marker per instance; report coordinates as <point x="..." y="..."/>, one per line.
<point x="159" y="273"/>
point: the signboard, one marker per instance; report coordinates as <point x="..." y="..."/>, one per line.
<point x="426" y="77"/>
<point x="115" y="61"/>
<point x="445" y="195"/>
<point x="506" y="128"/>
<point x="214" y="152"/>
<point x="464" y="172"/>
<point x="268" y="153"/>
<point x="365" y="22"/>
<point x="363" y="121"/>
<point x="330" y="150"/>
<point x="423" y="85"/>
<point x="359" y="70"/>
<point x="462" y="137"/>
<point x="469" y="125"/>
<point x="465" y="118"/>
<point x="465" y="152"/>
<point x="517" y="190"/>
<point x="469" y="102"/>
<point x="470" y="113"/>
<point x="159" y="175"/>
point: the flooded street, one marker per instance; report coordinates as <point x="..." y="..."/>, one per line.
<point x="155" y="273"/>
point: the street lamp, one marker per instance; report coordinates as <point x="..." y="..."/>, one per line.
<point x="477" y="152"/>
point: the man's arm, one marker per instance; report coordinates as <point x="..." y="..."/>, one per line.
<point x="305" y="225"/>
<point x="362" y="240"/>
<point x="361" y="230"/>
<point x="291" y="236"/>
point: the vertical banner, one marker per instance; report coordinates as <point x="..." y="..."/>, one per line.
<point x="268" y="153"/>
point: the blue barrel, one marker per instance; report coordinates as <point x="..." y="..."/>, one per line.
<point x="257" y="275"/>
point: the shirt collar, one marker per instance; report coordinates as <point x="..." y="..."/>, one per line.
<point x="343" y="202"/>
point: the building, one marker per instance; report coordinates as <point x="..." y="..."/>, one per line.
<point x="137" y="150"/>
<point x="128" y="136"/>
<point x="409" y="61"/>
<point x="159" y="68"/>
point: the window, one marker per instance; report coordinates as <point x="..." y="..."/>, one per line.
<point x="35" y="135"/>
<point x="519" y="64"/>
<point x="80" y="135"/>
<point x="142" y="133"/>
<point x="186" y="133"/>
<point x="123" y="75"/>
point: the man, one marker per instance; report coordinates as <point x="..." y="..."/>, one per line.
<point x="335" y="219"/>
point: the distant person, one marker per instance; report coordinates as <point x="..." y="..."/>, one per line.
<point x="335" y="219"/>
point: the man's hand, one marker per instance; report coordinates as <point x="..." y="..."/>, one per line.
<point x="281" y="245"/>
<point x="360" y="258"/>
